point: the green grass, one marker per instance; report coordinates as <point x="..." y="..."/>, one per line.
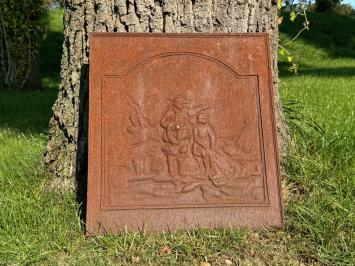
<point x="42" y="228"/>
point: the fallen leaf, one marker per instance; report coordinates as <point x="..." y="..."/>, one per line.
<point x="135" y="259"/>
<point x="228" y="262"/>
<point x="165" y="250"/>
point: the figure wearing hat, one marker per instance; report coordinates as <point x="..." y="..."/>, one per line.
<point x="177" y="133"/>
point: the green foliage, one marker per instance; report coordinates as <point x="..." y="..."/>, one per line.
<point x="21" y="31"/>
<point x="344" y="9"/>
<point x="326" y="5"/>
<point x="295" y="10"/>
<point x="330" y="35"/>
<point x="285" y="54"/>
<point x="293" y="15"/>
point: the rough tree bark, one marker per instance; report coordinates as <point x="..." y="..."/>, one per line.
<point x="66" y="152"/>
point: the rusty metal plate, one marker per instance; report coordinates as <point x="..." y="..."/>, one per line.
<point x="181" y="132"/>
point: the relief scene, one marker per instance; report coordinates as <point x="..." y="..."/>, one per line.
<point x="179" y="157"/>
<point x="182" y="130"/>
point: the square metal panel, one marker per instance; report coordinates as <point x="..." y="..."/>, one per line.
<point x="181" y="132"/>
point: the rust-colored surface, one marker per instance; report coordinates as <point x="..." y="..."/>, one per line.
<point x="181" y="132"/>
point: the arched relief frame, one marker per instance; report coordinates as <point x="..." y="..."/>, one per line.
<point x="145" y="63"/>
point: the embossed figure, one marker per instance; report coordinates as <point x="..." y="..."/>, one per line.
<point x="177" y="133"/>
<point x="190" y="157"/>
<point x="204" y="142"/>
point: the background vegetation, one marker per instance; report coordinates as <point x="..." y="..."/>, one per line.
<point x="42" y="228"/>
<point x="22" y="26"/>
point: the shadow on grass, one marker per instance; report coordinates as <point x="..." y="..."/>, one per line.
<point x="317" y="71"/>
<point x="330" y="32"/>
<point x="27" y="112"/>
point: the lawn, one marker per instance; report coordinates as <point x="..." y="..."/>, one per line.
<point x="43" y="228"/>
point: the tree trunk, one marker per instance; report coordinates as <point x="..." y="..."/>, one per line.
<point x="66" y="152"/>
